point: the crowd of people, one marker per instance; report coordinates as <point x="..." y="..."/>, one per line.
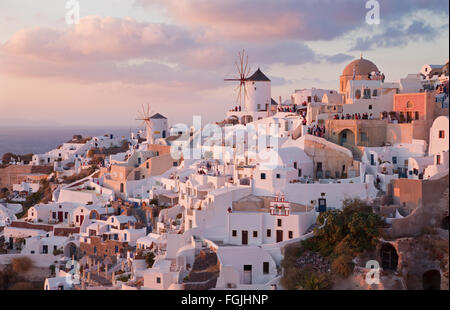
<point x="354" y="116"/>
<point x="317" y="130"/>
<point x="377" y="76"/>
<point x="292" y="109"/>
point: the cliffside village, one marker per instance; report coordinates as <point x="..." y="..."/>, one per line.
<point x="124" y="213"/>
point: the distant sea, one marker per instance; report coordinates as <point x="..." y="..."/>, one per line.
<point x="38" y="140"/>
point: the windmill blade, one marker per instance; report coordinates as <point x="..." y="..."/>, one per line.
<point x="238" y="69"/>
<point x="245" y="93"/>
<point x="248" y="71"/>
<point x="245" y="68"/>
<point x="239" y="97"/>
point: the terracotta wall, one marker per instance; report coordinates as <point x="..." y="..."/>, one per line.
<point x="27" y="225"/>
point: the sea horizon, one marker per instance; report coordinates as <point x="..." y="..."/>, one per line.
<point x="41" y="139"/>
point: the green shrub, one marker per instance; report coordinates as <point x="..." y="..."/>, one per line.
<point x="123" y="278"/>
<point x="306" y="279"/>
<point x="342" y="265"/>
<point x="346" y="234"/>
<point x="316" y="281"/>
<point x="291" y="278"/>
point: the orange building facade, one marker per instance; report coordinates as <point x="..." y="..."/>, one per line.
<point x="415" y="106"/>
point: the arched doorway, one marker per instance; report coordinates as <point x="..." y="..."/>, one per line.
<point x="233" y="119"/>
<point x="246" y="119"/>
<point x="444" y="224"/>
<point x="71" y="249"/>
<point x="431" y="280"/>
<point x="389" y="257"/>
<point x="346" y="137"/>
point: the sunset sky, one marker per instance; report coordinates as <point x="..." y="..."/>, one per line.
<point x="174" y="54"/>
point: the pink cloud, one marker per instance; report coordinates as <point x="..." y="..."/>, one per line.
<point x="100" y="50"/>
<point x="105" y="50"/>
<point x="272" y="20"/>
<point x="99" y="38"/>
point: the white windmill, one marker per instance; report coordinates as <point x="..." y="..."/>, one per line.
<point x="243" y="71"/>
<point x="144" y="116"/>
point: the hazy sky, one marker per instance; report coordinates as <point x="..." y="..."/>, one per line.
<point x="174" y="54"/>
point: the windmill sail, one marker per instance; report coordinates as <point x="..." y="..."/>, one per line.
<point x="144" y="116"/>
<point x="243" y="72"/>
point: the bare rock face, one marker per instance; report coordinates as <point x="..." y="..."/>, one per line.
<point x="430" y="209"/>
<point x="357" y="281"/>
<point x="423" y="261"/>
<point x="420" y="240"/>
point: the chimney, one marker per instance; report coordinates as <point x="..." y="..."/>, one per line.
<point x="281" y="101"/>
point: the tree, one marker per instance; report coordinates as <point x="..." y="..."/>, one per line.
<point x="343" y="235"/>
<point x="343" y="265"/>
<point x="353" y="230"/>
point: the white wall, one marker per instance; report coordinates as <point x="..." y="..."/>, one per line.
<point x="261" y="96"/>
<point x="238" y="256"/>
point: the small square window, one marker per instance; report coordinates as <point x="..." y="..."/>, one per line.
<point x="441" y="134"/>
<point x="370" y="107"/>
<point x="255" y="234"/>
<point x="278" y="176"/>
<point x="269" y="233"/>
<point x="291" y="235"/>
<point x="279" y="223"/>
<point x="263" y="176"/>
<point x="363" y="136"/>
<point x="234" y="233"/>
<point x="158" y="280"/>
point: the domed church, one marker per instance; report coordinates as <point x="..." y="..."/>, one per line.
<point x="359" y="69"/>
